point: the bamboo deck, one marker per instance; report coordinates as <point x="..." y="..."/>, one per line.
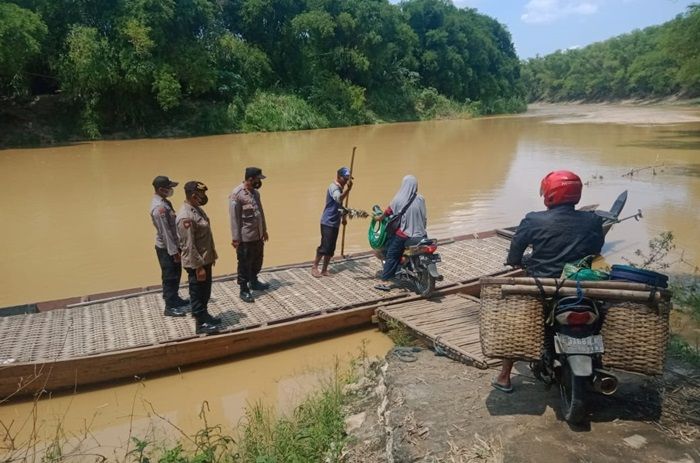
<point x="136" y="321"/>
<point x="449" y="324"/>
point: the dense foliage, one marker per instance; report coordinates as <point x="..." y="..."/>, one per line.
<point x="206" y="66"/>
<point x="658" y="61"/>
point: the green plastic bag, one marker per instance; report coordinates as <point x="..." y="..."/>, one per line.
<point x="377" y="233"/>
<point x="581" y="271"/>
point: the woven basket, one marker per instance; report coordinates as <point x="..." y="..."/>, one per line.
<point x="511" y="327"/>
<point x="635" y="336"/>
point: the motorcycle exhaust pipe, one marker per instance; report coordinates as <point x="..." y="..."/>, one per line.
<point x="604" y="382"/>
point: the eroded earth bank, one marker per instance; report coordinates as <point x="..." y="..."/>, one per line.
<point x="428" y="408"/>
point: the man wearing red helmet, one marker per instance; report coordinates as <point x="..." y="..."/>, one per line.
<point x="558" y="235"/>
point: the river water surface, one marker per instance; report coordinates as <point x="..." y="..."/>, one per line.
<point x="75" y="218"/>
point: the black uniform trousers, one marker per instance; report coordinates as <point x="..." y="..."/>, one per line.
<point x="170" y="272"/>
<point x="200" y="291"/>
<point x="250" y="260"/>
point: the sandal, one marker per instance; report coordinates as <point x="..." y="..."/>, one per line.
<point x="382" y="287"/>
<point x="501" y="387"/>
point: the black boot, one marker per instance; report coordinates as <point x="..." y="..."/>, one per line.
<point x="246" y="296"/>
<point x="209" y="318"/>
<point x="182" y="302"/>
<point x="257" y="285"/>
<point x="175" y="311"/>
<point x="203" y="325"/>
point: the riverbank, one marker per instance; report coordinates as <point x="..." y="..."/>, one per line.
<point x="646" y="113"/>
<point x="429" y="408"/>
<point x="44" y="122"/>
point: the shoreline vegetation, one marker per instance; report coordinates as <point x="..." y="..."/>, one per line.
<point x="82" y="71"/>
<point x="136" y="69"/>
<point x="313" y="431"/>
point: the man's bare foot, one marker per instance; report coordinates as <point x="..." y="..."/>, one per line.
<point x="326" y="273"/>
<point x="316" y="273"/>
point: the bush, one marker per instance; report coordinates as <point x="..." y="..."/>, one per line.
<point x="341" y="102"/>
<point x="432" y="105"/>
<point x="270" y="112"/>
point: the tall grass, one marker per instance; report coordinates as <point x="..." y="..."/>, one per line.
<point x="312" y="432"/>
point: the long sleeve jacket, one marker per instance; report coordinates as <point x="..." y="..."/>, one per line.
<point x="557" y="236"/>
<point x="195" y="237"/>
<point x="163" y="218"/>
<point x="247" y="215"/>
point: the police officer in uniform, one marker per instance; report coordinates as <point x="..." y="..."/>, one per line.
<point x="248" y="232"/>
<point x="167" y="248"/>
<point x="198" y="254"/>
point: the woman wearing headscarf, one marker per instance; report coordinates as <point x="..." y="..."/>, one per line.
<point x="412" y="224"/>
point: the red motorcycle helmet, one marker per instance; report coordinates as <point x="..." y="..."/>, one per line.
<point x="561" y="187"/>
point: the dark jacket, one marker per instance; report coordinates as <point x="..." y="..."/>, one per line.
<point x="558" y="235"/>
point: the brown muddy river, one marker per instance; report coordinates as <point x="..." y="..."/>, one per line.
<point x="75" y="218"/>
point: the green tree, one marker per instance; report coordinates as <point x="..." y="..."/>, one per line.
<point x="21" y="35"/>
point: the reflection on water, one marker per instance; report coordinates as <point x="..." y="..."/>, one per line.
<point x="105" y="418"/>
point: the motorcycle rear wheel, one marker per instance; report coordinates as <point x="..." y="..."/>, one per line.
<point x="425" y="283"/>
<point x="572" y="389"/>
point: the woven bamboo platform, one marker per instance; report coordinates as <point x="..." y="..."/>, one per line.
<point x="449" y="324"/>
<point x="126" y="335"/>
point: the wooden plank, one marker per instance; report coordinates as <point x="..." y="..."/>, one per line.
<point x="28" y="378"/>
<point x="454" y="326"/>
<point x="16" y="380"/>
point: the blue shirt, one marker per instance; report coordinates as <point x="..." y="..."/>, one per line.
<point x="331" y="215"/>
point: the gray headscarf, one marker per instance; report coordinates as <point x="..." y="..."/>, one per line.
<point x="414" y="220"/>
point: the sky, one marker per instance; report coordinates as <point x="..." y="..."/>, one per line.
<point x="540" y="27"/>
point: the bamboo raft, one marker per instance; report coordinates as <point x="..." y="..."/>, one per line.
<point x="450" y="325"/>
<point x="126" y="335"/>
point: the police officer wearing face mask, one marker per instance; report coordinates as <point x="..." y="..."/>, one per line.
<point x="167" y="248"/>
<point x="198" y="254"/>
<point x="248" y="232"/>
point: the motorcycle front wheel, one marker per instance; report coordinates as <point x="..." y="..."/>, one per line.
<point x="425" y="282"/>
<point x="573" y="400"/>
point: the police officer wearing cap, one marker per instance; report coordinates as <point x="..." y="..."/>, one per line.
<point x="167" y="247"/>
<point x="248" y="232"/>
<point x="198" y="254"/>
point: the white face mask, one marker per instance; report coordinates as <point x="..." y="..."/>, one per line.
<point x="170" y="192"/>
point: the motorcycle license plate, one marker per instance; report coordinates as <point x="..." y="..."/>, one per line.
<point x="588" y="345"/>
<point x="435" y="258"/>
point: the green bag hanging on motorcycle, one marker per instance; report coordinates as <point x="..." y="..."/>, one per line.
<point x="581" y="271"/>
<point x="376" y="234"/>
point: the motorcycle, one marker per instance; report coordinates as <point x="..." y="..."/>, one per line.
<point x="573" y="354"/>
<point x="574" y="347"/>
<point x="418" y="264"/>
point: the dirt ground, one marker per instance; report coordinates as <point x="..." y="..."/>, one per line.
<point x="434" y="409"/>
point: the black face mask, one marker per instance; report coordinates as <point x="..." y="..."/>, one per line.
<point x="203" y="199"/>
<point x="257" y="184"/>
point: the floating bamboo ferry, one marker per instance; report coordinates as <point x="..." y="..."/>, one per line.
<point x="81" y="341"/>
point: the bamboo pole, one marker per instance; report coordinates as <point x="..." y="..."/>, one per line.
<point x="602" y="284"/>
<point x="595" y="293"/>
<point x="347" y="201"/>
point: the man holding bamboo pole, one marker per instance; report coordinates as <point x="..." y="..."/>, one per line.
<point x="331" y="218"/>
